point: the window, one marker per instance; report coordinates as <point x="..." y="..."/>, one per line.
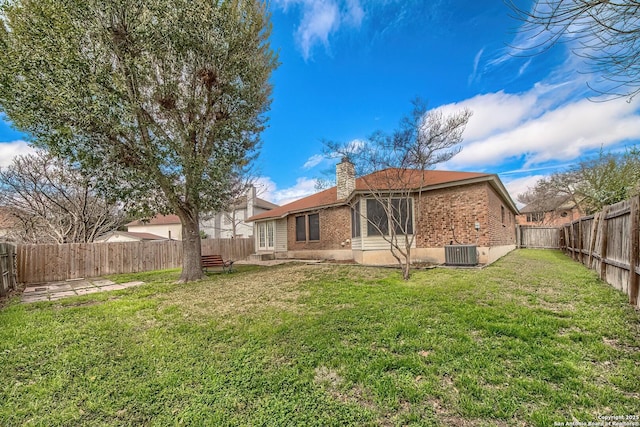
<point x="378" y="222"/>
<point x="265" y="235"/>
<point x="535" y="217"/>
<point x="261" y="235"/>
<point x="270" y="234"/>
<point x="308" y="226"/>
<point x="301" y="229"/>
<point x="502" y="213"/>
<point x="355" y="220"/>
<point x="314" y="227"/>
<point x="401" y="212"/>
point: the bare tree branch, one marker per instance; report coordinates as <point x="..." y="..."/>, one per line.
<point x="606" y="34"/>
<point x="53" y="202"/>
<point x="393" y="167"/>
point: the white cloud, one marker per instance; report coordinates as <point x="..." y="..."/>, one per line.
<point x="476" y="62"/>
<point x="8" y="150"/>
<point x="520" y="185"/>
<point x="268" y="190"/>
<point x="560" y="134"/>
<point x="546" y="123"/>
<point x="313" y="161"/>
<point x="495" y="112"/>
<point x="320" y="18"/>
<point x="355" y="13"/>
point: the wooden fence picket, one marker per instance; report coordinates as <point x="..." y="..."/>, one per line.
<point x="46" y="263"/>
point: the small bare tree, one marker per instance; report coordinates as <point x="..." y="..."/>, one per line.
<point x="392" y="167"/>
<point x="52" y="202"/>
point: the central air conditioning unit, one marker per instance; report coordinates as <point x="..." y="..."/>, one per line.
<point x="466" y="255"/>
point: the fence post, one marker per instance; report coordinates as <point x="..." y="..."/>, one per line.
<point x="580" y="242"/>
<point x="7" y="268"/>
<point x="603" y="244"/>
<point x="633" y="249"/>
<point x="594" y="233"/>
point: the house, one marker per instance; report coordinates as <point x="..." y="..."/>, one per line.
<point x="230" y="224"/>
<point x="554" y="211"/>
<point x="166" y="226"/>
<point x="222" y="225"/>
<point x="126" y="236"/>
<point x="454" y="207"/>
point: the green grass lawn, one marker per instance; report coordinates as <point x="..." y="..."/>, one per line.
<point x="530" y="340"/>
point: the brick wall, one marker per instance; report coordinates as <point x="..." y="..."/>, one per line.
<point x="450" y="214"/>
<point x="440" y="210"/>
<point x="555" y="218"/>
<point x="502" y="222"/>
<point x="335" y="228"/>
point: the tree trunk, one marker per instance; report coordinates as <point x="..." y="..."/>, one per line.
<point x="406" y="267"/>
<point x="191" y="249"/>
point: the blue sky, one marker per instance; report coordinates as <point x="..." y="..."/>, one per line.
<point x="351" y="67"/>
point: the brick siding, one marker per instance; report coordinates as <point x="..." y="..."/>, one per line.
<point x="501" y="231"/>
<point x="449" y="215"/>
<point x="335" y="228"/>
<point x="553" y="218"/>
<point x="439" y="211"/>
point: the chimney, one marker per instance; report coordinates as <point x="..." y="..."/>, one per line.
<point x="345" y="178"/>
<point x="251" y="201"/>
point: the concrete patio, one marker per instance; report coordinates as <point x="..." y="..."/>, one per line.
<point x="57" y="290"/>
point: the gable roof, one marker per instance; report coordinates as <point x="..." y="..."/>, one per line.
<point x="380" y="180"/>
<point x="264" y="204"/>
<point x="259" y="203"/>
<point x="550" y="204"/>
<point x="175" y="219"/>
<point x="133" y="235"/>
<point x="157" y="220"/>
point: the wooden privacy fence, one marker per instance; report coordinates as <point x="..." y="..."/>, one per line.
<point x="7" y="268"/>
<point x="609" y="242"/>
<point x="47" y="263"/>
<point x="233" y="249"/>
<point x="539" y="237"/>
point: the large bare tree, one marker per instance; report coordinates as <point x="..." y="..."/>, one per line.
<point x="605" y="33"/>
<point x="392" y="167"/>
<point x="51" y="202"/>
<point x="164" y="99"/>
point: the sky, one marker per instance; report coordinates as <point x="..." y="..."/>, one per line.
<point x="349" y="68"/>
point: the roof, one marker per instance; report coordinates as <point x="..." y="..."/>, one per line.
<point x="549" y="204"/>
<point x="174" y="219"/>
<point x="157" y="220"/>
<point x="425" y="180"/>
<point x="133" y="235"/>
<point x="260" y="203"/>
<point x="264" y="204"/>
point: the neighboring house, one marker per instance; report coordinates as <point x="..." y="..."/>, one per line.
<point x="167" y="226"/>
<point x="225" y="225"/>
<point x="325" y="226"/>
<point x="127" y="236"/>
<point x="554" y="211"/>
<point x="220" y="226"/>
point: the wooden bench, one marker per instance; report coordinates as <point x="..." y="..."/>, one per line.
<point x="212" y="261"/>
